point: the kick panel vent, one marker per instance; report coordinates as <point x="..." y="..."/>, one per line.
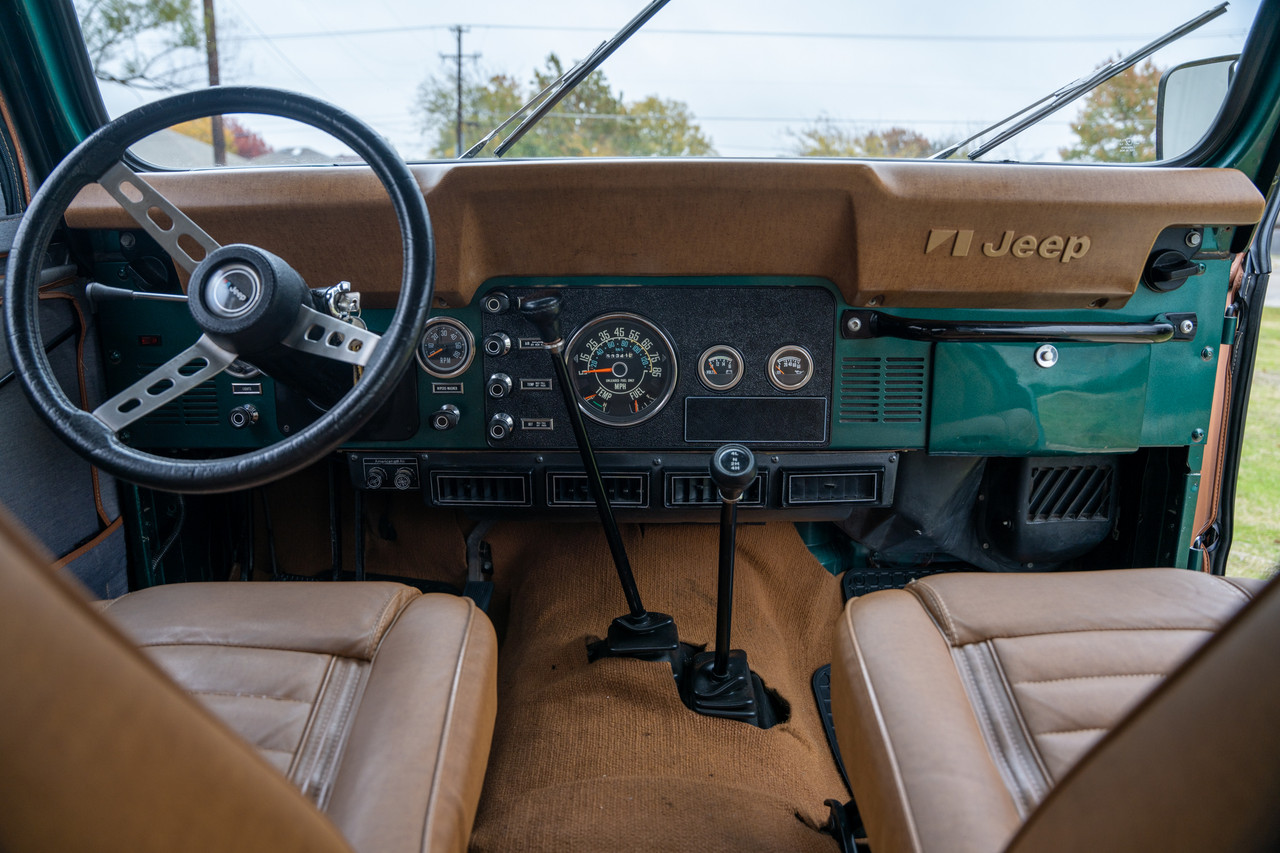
<point x="875" y="390"/>
<point x="197" y="407"/>
<point x="1070" y="493"/>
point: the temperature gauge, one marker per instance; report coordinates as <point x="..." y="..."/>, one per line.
<point x="790" y="367"/>
<point x="720" y="367"/>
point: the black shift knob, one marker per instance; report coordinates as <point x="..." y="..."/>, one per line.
<point x="544" y="313"/>
<point x="733" y="468"/>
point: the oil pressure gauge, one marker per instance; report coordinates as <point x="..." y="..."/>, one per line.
<point x="790" y="367"/>
<point x="720" y="367"/>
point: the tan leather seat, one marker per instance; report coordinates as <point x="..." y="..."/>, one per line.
<point x="1074" y="711"/>
<point x="375" y="702"/>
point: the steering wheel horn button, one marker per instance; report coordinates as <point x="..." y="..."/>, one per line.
<point x="233" y="290"/>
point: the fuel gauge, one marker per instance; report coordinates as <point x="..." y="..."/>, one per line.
<point x="790" y="367"/>
<point x="720" y="367"/>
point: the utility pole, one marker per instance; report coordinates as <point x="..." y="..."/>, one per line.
<point x="215" y="79"/>
<point x="457" y="56"/>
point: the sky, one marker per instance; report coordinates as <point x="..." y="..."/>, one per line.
<point x="753" y="73"/>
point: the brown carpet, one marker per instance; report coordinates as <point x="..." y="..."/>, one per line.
<point x="604" y="756"/>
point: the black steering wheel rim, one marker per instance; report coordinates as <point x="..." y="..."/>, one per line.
<point x="86" y="164"/>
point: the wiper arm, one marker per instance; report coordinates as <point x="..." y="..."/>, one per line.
<point x="563" y="85"/>
<point x="1055" y="101"/>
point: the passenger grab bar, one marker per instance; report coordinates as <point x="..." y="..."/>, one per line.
<point x="855" y="324"/>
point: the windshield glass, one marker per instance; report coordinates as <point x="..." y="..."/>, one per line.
<point x="707" y="78"/>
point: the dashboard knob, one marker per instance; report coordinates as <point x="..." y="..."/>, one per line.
<point x="403" y="479"/>
<point x="375" y="478"/>
<point x="243" y="416"/>
<point x="498" y="386"/>
<point x="445" y="417"/>
<point x="500" y="426"/>
<point x="497" y="344"/>
<point x="497" y="302"/>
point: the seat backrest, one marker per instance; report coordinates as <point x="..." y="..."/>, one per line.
<point x="100" y="751"/>
<point x="1195" y="767"/>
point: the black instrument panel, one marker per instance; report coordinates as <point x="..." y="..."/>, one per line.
<point x="620" y="335"/>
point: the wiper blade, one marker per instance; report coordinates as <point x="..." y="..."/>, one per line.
<point x="563" y="85"/>
<point x="1055" y="101"/>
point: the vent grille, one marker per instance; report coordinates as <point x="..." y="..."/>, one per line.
<point x="481" y="489"/>
<point x="197" y="407"/>
<point x="700" y="490"/>
<point x="1070" y="493"/>
<point x="876" y="390"/>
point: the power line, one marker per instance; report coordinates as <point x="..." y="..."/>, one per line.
<point x="458" y="56"/>
<point x="922" y="37"/>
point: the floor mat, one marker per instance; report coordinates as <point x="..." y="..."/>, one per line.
<point x="604" y="756"/>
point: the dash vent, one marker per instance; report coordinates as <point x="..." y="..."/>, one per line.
<point x="877" y="390"/>
<point x="197" y="407"/>
<point x="1070" y="493"/>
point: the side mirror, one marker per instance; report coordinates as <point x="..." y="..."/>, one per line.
<point x="1188" y="101"/>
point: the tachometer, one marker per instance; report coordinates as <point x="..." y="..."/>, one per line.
<point x="624" y="369"/>
<point x="447" y="348"/>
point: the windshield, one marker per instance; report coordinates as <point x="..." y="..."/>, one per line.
<point x="705" y="79"/>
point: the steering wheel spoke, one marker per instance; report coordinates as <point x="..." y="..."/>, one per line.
<point x="158" y="216"/>
<point x="325" y="335"/>
<point x="199" y="362"/>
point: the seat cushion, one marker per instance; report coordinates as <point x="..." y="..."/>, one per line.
<point x="961" y="700"/>
<point x="376" y="701"/>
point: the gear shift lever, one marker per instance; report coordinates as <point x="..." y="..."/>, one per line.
<point x="720" y="683"/>
<point x="640" y="633"/>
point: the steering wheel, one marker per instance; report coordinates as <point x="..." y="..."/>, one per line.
<point x="244" y="300"/>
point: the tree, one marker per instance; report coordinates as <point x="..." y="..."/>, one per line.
<point x="824" y="138"/>
<point x="592" y="121"/>
<point x="239" y="139"/>
<point x="1116" y="122"/>
<point x="141" y="42"/>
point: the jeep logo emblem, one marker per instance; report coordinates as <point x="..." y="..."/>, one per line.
<point x="1051" y="248"/>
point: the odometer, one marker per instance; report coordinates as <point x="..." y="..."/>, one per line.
<point x="624" y="369"/>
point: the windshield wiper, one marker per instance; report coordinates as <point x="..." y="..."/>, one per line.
<point x="1033" y="112"/>
<point x="563" y="85"/>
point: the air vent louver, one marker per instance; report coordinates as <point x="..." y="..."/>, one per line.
<point x="877" y="390"/>
<point x="458" y="489"/>
<point x="1070" y="493"/>
<point x="197" y="407"/>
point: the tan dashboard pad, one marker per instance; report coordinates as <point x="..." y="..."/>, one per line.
<point x="887" y="233"/>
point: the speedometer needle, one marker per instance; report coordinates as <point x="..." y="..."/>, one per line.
<point x="601" y="370"/>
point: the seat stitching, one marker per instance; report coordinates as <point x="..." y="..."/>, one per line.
<point x="1089" y="677"/>
<point x="1089" y="631"/>
<point x="932" y="594"/>
<point x="1245" y="594"/>
<point x="378" y="624"/>
<point x="987" y="725"/>
<point x="447" y="725"/>
<point x="1074" y="731"/>
<point x="243" y="646"/>
<point x="248" y="696"/>
<point x="1015" y="747"/>
<point x="1039" y="785"/>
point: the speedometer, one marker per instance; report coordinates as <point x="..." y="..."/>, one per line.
<point x="624" y="369"/>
